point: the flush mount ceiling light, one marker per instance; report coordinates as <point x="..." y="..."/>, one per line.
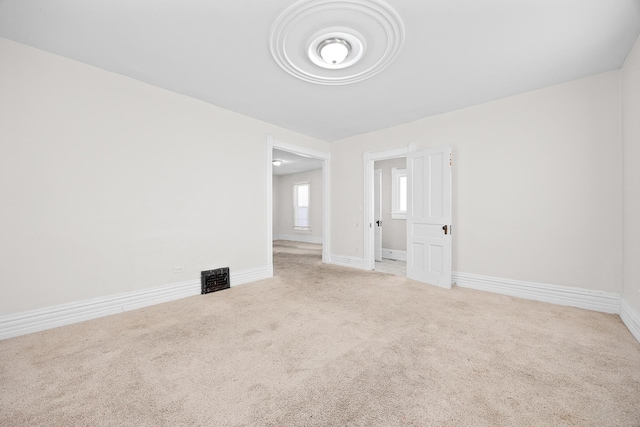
<point x="334" y="50"/>
<point x="276" y="162"/>
<point x="306" y="42"/>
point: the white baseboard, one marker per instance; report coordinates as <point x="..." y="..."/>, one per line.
<point x="41" y="319"/>
<point x="304" y="238"/>
<point x="562" y="295"/>
<point x="251" y="275"/>
<point x="631" y="318"/>
<point x="394" y="254"/>
<point x="347" y="261"/>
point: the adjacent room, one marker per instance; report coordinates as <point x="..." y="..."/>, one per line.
<point x="319" y="212"/>
<point x="390" y="216"/>
<point x="297" y="200"/>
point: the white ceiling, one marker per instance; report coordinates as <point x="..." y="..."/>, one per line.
<point x="293" y="163"/>
<point x="457" y="53"/>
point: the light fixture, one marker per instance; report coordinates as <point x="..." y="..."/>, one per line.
<point x="277" y="162"/>
<point x="334" y="50"/>
<point x="336" y="42"/>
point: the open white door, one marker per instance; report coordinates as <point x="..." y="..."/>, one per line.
<point x="429" y="216"/>
<point x="377" y="214"/>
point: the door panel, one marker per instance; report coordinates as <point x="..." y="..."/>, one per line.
<point x="429" y="210"/>
<point x="417" y="257"/>
<point x="436" y="185"/>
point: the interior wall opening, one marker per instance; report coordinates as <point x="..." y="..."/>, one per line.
<point x="390" y="216"/>
<point x="297" y="205"/>
<point x="297" y="200"/>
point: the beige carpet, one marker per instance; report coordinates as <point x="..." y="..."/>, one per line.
<point x="328" y="346"/>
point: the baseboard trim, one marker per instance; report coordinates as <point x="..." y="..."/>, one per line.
<point x="562" y="295"/>
<point x="251" y="275"/>
<point x="631" y="318"/>
<point x="347" y="261"/>
<point x="28" y="322"/>
<point x="299" y="238"/>
<point x="394" y="254"/>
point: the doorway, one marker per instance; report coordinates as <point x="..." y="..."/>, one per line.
<point x="429" y="213"/>
<point x="390" y="216"/>
<point x="311" y="156"/>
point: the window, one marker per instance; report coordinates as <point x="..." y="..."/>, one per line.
<point x="301" y="199"/>
<point x="398" y="193"/>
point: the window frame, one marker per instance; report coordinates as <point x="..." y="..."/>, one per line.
<point x="396" y="175"/>
<point x="297" y="228"/>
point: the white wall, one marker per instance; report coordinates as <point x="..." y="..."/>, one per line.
<point x="275" y="196"/>
<point x="394" y="231"/>
<point x="536" y="190"/>
<point x="284" y="199"/>
<point x="107" y="183"/>
<point x="631" y="176"/>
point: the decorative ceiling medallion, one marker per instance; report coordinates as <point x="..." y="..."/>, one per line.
<point x="336" y="42"/>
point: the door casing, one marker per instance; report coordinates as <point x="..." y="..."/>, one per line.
<point x="377" y="214"/>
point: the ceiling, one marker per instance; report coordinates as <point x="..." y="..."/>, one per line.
<point x="456" y="53"/>
<point x="293" y="163"/>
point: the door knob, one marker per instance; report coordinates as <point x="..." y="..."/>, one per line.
<point x="445" y="228"/>
<point x="379" y="222"/>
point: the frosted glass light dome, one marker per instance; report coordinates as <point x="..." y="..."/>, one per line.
<point x="334" y="51"/>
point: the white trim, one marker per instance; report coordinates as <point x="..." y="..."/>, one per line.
<point x="41" y="319"/>
<point x="368" y="238"/>
<point x="347" y="261"/>
<point x="630" y="317"/>
<point x="396" y="174"/>
<point x="269" y="181"/>
<point x="302" y="151"/>
<point x="299" y="238"/>
<point x="51" y="317"/>
<point x="250" y="275"/>
<point x="326" y="193"/>
<point x="326" y="209"/>
<point x="394" y="254"/>
<point x="562" y="295"/>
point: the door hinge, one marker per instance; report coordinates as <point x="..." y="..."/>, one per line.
<point x="450" y="159"/>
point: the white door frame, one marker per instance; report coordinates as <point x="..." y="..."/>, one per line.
<point x="377" y="213"/>
<point x="326" y="193"/>
<point x="369" y="159"/>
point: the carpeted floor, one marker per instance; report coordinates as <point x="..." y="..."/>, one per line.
<point x="322" y="345"/>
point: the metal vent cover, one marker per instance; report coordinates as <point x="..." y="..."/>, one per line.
<point x="214" y="280"/>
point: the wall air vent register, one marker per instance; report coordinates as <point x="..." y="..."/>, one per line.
<point x="214" y="280"/>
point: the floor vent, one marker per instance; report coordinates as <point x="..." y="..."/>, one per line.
<point x="214" y="280"/>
